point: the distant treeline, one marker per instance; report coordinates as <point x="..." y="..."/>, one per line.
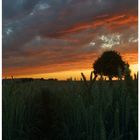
<point x="29" y="79"/>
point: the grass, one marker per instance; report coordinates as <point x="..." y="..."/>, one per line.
<point x="47" y="110"/>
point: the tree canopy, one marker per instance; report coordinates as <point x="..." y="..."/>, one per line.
<point x="108" y="64"/>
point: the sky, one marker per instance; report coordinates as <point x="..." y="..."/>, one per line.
<point x="62" y="38"/>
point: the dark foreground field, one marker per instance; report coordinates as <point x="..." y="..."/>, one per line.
<point x="53" y="110"/>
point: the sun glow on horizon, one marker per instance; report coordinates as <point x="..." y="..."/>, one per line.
<point x="64" y="75"/>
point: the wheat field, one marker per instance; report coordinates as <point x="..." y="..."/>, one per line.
<point x="66" y="110"/>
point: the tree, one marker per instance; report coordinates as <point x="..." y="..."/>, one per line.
<point x="108" y="64"/>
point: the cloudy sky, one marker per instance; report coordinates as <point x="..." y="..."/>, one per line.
<point x="60" y="38"/>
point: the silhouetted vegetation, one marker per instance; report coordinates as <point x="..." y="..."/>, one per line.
<point x="69" y="79"/>
<point x="47" y="110"/>
<point x="108" y="64"/>
<point x="89" y="84"/>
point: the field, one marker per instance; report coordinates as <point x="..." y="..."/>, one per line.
<point x="67" y="110"/>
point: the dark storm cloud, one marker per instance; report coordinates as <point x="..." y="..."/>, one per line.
<point x="57" y="17"/>
<point x="16" y="8"/>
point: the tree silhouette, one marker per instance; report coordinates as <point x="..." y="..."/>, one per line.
<point x="108" y="64"/>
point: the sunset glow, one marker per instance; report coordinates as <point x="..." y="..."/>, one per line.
<point x="51" y="39"/>
<point x="74" y="74"/>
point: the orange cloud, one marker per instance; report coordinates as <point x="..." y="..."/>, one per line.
<point x="112" y="22"/>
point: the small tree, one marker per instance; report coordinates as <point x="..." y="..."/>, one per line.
<point x="108" y="64"/>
